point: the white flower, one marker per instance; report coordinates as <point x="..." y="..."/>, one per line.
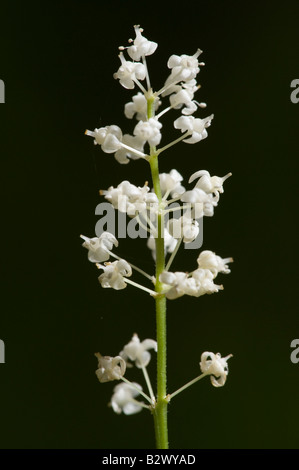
<point x="110" y="368"/>
<point x="209" y="260"/>
<point x="202" y="203"/>
<point x="138" y="352"/>
<point x="109" y="138"/>
<point x="184" y="96"/>
<point x="124" y="154"/>
<point x="209" y="184"/>
<point x="184" y="227"/>
<point x="138" y="106"/>
<point x="195" y="126"/>
<point x="129" y="72"/>
<point x="141" y="46"/>
<point x="171" y="183"/>
<point x="169" y="243"/>
<point x="99" y="247"/>
<point x="184" y="67"/>
<point x="198" y="283"/>
<point x="216" y="366"/>
<point x="204" y="283"/>
<point x="129" y="198"/>
<point x="114" y="273"/>
<point x="123" y="399"/>
<point x="177" y="281"/>
<point x="149" y="131"/>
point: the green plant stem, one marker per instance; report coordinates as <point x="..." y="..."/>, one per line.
<point x="160" y="410"/>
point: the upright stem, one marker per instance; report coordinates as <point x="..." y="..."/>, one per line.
<point x="160" y="411"/>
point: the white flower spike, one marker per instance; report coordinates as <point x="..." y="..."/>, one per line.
<point x="123" y="399"/>
<point x="137" y="351"/>
<point x="216" y="366"/>
<point x="99" y="247"/>
<point x="110" y="368"/>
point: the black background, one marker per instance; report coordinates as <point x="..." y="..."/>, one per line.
<point x="57" y="61"/>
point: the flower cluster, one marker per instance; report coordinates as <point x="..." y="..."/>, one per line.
<point x="169" y="212"/>
<point x="180" y="87"/>
<point x="114" y="368"/>
<point x="129" y="198"/>
<point x="200" y="281"/>
<point x="124" y="398"/>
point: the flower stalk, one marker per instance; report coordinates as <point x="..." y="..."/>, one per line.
<point x="160" y="411"/>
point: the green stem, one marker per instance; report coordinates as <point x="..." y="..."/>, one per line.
<point x="160" y="411"/>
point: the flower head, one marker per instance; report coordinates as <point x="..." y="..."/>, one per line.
<point x="216" y="366"/>
<point x="184" y="67"/>
<point x="185" y="227"/>
<point x="123" y="399"/>
<point x="196" y="127"/>
<point x="209" y="184"/>
<point x="138" y="351"/>
<point x="170" y="183"/>
<point x="202" y="203"/>
<point x="209" y="260"/>
<point x="196" y="284"/>
<point x="129" y="198"/>
<point x="149" y="131"/>
<point x="138" y="106"/>
<point x="140" y="46"/>
<point x="129" y="72"/>
<point x="114" y="273"/>
<point x="110" y="368"/>
<point x="99" y="247"/>
<point x="109" y="138"/>
<point x="184" y="95"/>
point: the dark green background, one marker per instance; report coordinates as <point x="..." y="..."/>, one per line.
<point x="57" y="61"/>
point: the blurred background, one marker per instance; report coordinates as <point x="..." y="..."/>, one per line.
<point x="57" y="60"/>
